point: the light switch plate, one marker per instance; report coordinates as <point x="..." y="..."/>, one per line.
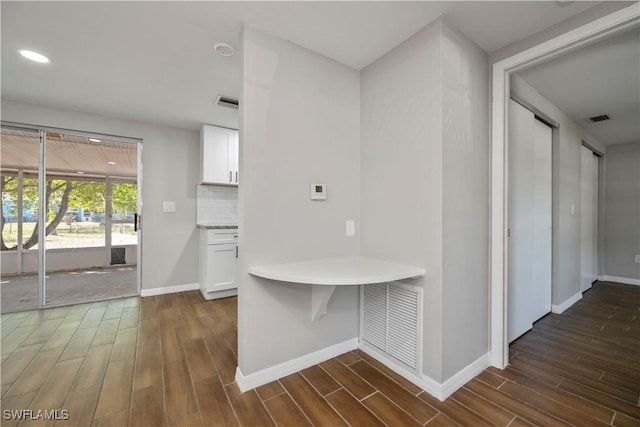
<point x="168" y="206"/>
<point x="351" y="228"/>
<point x="636" y="258"/>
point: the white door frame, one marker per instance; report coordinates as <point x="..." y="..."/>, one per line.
<point x="613" y="23"/>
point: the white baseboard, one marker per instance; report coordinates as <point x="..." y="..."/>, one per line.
<point x="438" y="390"/>
<point x="250" y="381"/>
<point x="169" y="289"/>
<point x="389" y="363"/>
<point x="219" y="294"/>
<point x="559" y="309"/>
<point x="625" y="280"/>
<point x="443" y="390"/>
<point x="463" y="376"/>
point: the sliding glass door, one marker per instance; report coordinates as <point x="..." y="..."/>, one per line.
<point x="19" y="154"/>
<point x="88" y="194"/>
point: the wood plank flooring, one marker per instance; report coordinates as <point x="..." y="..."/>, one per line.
<point x="170" y="361"/>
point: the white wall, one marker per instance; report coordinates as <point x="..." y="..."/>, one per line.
<point x="170" y="173"/>
<point x="401" y="130"/>
<point x="567" y="140"/>
<point x="465" y="213"/>
<point x="622" y="210"/>
<point x="425" y="144"/>
<point x="299" y="125"/>
<point x="62" y="259"/>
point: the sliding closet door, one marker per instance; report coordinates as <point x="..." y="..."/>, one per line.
<point x="521" y="153"/>
<point x="589" y="219"/>
<point x="541" y="297"/>
<point x="529" y="281"/>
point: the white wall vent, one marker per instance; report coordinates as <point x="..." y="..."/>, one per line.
<point x="225" y="101"/>
<point x="602" y="118"/>
<point x="391" y="322"/>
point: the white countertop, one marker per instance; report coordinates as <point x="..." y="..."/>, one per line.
<point x="355" y="270"/>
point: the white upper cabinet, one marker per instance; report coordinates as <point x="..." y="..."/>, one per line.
<point x="219" y="155"/>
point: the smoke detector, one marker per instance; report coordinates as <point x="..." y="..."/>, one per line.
<point x="224" y="49"/>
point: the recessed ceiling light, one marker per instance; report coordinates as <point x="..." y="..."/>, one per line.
<point x="111" y="163"/>
<point x="224" y="49"/>
<point x="34" y="56"/>
<point x="80" y="172"/>
<point x="95" y="140"/>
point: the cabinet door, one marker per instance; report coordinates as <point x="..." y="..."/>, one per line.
<point x="221" y="266"/>
<point x="235" y="156"/>
<point x="216" y="146"/>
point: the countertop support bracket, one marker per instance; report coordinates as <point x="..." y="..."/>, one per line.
<point x="320" y="296"/>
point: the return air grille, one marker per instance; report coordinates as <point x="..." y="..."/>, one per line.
<point x="225" y="101"/>
<point x="391" y="322"/>
<point x="601" y="118"/>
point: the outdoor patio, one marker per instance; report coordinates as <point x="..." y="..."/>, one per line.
<point x="20" y="292"/>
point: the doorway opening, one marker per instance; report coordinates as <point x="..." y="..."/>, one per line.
<point x="599" y="29"/>
<point x="79" y="195"/>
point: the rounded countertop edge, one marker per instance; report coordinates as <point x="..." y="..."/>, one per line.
<point x="337" y="277"/>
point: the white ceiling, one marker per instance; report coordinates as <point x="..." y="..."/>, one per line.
<point x="603" y="78"/>
<point x="154" y="61"/>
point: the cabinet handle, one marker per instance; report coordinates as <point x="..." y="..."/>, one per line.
<point x="236" y="252"/>
<point x="230" y="176"/>
<point x="236" y="177"/>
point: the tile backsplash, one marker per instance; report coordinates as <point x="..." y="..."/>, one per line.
<point x="217" y="204"/>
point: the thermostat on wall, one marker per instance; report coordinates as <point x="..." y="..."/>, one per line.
<point x="318" y="191"/>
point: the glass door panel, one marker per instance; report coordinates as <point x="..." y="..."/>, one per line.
<point x="19" y="284"/>
<point x="84" y="213"/>
<point x="84" y="208"/>
<point x="123" y="240"/>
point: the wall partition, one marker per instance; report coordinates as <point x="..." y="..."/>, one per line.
<point x="67" y="217"/>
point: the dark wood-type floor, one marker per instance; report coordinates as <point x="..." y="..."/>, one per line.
<point x="170" y="360"/>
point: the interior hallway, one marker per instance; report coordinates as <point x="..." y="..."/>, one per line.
<point x="170" y="360"/>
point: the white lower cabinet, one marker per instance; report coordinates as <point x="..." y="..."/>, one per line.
<point x="218" y="258"/>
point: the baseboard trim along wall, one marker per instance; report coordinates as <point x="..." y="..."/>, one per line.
<point x="625" y="280"/>
<point x="395" y="367"/>
<point x="250" y="381"/>
<point x="464" y="376"/>
<point x="169" y="289"/>
<point x="443" y="390"/>
<point x="559" y="309"/>
<point x="438" y="390"/>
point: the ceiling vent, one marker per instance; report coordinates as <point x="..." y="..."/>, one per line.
<point x="225" y="101"/>
<point x="602" y="118"/>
